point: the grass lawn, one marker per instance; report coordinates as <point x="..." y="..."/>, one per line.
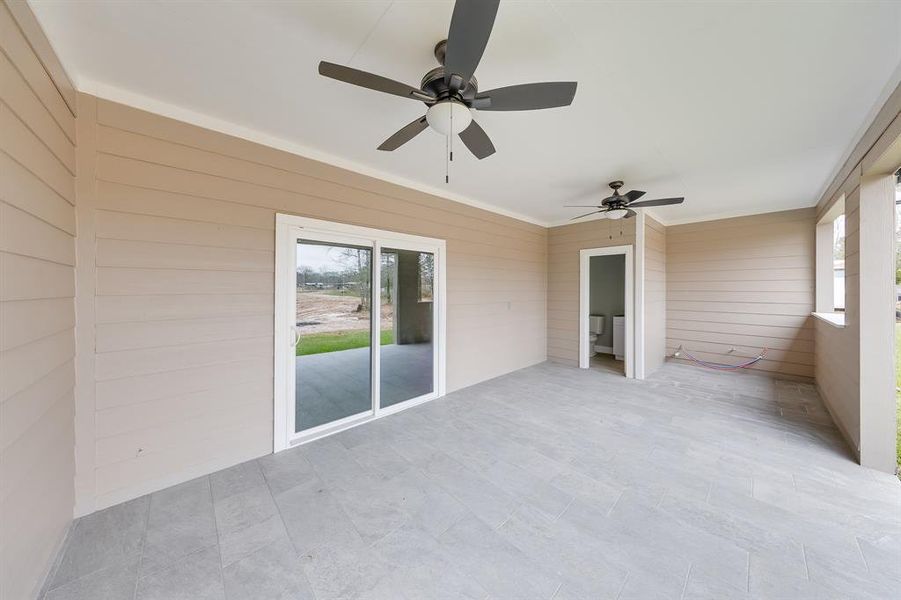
<point x="316" y="343"/>
<point x="898" y="386"/>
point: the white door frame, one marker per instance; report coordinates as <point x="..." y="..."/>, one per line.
<point x="630" y="312"/>
<point x="290" y="228"/>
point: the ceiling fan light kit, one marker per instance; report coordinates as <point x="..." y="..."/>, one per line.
<point x="451" y="91"/>
<point x="620" y="206"/>
<point x="448" y="117"/>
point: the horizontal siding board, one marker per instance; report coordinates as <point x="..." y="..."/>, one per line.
<point x="157" y="255"/>
<point x="22" y="410"/>
<point x="21" y="99"/>
<point x="24" y="190"/>
<point x="25" y="321"/>
<point x="26" y="278"/>
<point x="154" y="386"/>
<point x="145" y="361"/>
<point x="20" y="53"/>
<point x="27" y="364"/>
<point x="152" y="308"/>
<point x="144" y="228"/>
<point x="127" y="282"/>
<point x="116" y="337"/>
<point x="24" y="234"/>
<point x="26" y="148"/>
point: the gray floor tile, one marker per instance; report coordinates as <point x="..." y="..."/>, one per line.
<point x="115" y="583"/>
<point x="273" y="572"/>
<point x="549" y="481"/>
<point x="181" y="522"/>
<point x="197" y="576"/>
<point x="108" y="538"/>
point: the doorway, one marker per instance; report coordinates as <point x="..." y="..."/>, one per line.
<point x="606" y="303"/>
<point x="359" y="326"/>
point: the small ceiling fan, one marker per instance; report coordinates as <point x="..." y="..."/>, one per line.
<point x="451" y="91"/>
<point x="619" y="206"/>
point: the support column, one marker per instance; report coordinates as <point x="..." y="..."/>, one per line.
<point x="877" y="322"/>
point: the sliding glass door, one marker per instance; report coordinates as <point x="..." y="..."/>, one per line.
<point x="333" y="368"/>
<point x="408" y="325"/>
<point x="363" y="312"/>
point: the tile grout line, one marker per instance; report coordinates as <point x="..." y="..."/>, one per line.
<point x="806" y="566"/>
<point x="209" y="481"/>
<point x="143" y="544"/>
<point x="862" y="555"/>
<point x="685" y="584"/>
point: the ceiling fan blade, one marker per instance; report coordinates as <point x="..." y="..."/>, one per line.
<point x="660" y="202"/>
<point x="634" y="195"/>
<point x="586" y="214"/>
<point x="405" y="134"/>
<point x="477" y="141"/>
<point x="630" y="213"/>
<point x="582" y="206"/>
<point x="470" y="29"/>
<point x="372" y="81"/>
<point x="527" y="96"/>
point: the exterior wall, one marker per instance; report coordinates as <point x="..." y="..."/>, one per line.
<point x="654" y="295"/>
<point x="854" y="371"/>
<point x="179" y="237"/>
<point x="744" y="283"/>
<point x="37" y="315"/>
<point x="564" y="243"/>
<point x="838" y="348"/>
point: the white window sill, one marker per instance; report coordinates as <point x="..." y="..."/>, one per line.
<point x="836" y="319"/>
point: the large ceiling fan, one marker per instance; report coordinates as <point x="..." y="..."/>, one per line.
<point x="619" y="206"/>
<point x="451" y="91"/>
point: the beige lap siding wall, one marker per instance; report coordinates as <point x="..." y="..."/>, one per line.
<point x="37" y="314"/>
<point x="182" y="223"/>
<point x="744" y="283"/>
<point x="564" y="244"/>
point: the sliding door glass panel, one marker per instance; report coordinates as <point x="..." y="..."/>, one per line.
<point x="407" y="325"/>
<point x="334" y="329"/>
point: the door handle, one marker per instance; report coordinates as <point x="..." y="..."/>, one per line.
<point x="296" y="337"/>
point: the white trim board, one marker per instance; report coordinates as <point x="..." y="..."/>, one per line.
<point x="290" y="228"/>
<point x="630" y="312"/>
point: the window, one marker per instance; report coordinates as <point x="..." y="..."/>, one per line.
<point x="830" y="260"/>
<point x="838" y="263"/>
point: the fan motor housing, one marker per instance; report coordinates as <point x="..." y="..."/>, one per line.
<point x="433" y="81"/>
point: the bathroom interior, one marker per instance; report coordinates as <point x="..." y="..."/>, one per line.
<point x="606" y="307"/>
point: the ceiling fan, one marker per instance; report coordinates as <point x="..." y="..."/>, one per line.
<point x="619" y="206"/>
<point x="451" y="91"/>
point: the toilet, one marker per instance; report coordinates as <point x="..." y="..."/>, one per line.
<point x="595" y="328"/>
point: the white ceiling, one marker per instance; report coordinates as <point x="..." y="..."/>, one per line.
<point x="739" y="107"/>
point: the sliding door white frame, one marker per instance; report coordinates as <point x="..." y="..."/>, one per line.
<point x="289" y="229"/>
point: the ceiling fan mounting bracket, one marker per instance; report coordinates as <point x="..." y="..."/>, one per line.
<point x="441" y="51"/>
<point x="615" y="185"/>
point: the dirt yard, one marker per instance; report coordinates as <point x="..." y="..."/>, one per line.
<point x="324" y="312"/>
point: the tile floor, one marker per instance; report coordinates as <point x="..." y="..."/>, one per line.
<point x="550" y="482"/>
<point x="334" y="385"/>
